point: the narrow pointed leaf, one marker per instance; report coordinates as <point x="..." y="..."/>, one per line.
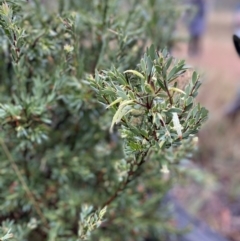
<point x="135" y="73"/>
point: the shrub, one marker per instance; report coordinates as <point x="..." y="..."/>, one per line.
<point x="69" y="74"/>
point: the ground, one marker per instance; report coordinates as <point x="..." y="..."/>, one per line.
<point x="215" y="194"/>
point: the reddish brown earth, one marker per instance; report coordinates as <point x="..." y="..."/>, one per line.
<point x="214" y="194"/>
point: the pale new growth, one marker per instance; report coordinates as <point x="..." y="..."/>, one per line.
<point x="177" y="126"/>
<point x="164" y="169"/>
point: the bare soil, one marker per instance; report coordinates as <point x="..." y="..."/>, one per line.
<point x="214" y="194"/>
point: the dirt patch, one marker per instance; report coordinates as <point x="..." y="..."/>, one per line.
<point x="216" y="197"/>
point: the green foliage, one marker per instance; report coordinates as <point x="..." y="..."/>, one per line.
<point x="5" y="233"/>
<point x="64" y="175"/>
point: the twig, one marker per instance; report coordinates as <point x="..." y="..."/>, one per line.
<point x="101" y="42"/>
<point x="22" y="181"/>
<point x="139" y="103"/>
<point x="130" y="176"/>
<point x="168" y="93"/>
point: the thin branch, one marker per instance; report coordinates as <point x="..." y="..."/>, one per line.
<point x="130" y="176"/>
<point x="101" y="42"/>
<point x="22" y="181"/>
<point x="158" y="91"/>
<point x="140" y="103"/>
<point x="168" y="93"/>
<point x="33" y="45"/>
<point x="193" y="88"/>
